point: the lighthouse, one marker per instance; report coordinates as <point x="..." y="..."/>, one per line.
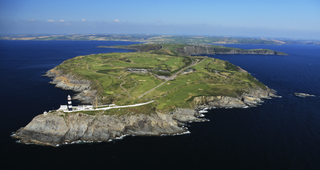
<point x="69" y="103"/>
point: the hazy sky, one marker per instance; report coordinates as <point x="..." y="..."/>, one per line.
<point x="259" y="18"/>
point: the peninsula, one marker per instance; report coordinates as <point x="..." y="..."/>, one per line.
<point x="188" y="50"/>
<point x="164" y="86"/>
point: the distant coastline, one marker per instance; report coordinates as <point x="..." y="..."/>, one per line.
<point x="191" y="40"/>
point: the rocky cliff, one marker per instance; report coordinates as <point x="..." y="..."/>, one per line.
<point x="189" y="50"/>
<point x="195" y="50"/>
<point x="56" y="128"/>
<point x="251" y="99"/>
<point x="209" y="50"/>
<point x="71" y="82"/>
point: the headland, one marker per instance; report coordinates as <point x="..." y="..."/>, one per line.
<point x="181" y="88"/>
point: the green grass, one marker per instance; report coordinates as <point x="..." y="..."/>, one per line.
<point x="175" y="63"/>
<point x="144" y="84"/>
<point x="212" y="77"/>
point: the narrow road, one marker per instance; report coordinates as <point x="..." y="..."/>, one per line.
<point x="135" y="84"/>
<point x="125" y="90"/>
<point x="115" y="107"/>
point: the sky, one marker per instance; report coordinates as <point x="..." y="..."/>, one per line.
<point x="295" y="19"/>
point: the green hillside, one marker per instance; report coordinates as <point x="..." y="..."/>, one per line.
<point x="115" y="77"/>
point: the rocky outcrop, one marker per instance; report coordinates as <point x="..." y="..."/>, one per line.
<point x="251" y="99"/>
<point x="196" y="50"/>
<point x="304" y="95"/>
<point x="71" y="82"/>
<point x="56" y="128"/>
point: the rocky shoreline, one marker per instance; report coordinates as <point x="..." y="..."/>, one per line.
<point x="246" y="100"/>
<point x="71" y="82"/>
<point x="56" y="128"/>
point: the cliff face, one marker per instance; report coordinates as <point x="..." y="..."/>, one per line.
<point x="189" y="50"/>
<point x="195" y="50"/>
<point x="207" y="50"/>
<point x="56" y="128"/>
<point x="70" y="82"/>
<point x="251" y="99"/>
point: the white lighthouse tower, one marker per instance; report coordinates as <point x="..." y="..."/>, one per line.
<point x="69" y="103"/>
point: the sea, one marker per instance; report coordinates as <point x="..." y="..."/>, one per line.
<point x="281" y="133"/>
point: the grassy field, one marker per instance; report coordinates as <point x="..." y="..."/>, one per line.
<point x="110" y="77"/>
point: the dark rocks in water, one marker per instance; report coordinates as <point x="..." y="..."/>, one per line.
<point x="304" y="95"/>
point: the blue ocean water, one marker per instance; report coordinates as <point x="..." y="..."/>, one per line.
<point x="282" y="133"/>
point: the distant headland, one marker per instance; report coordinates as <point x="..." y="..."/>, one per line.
<point x="191" y="50"/>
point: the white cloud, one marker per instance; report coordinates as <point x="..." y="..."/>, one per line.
<point x="83" y="20"/>
<point x="50" y="20"/>
<point x="61" y="20"/>
<point x="31" y="20"/>
<point x="157" y="20"/>
<point x="116" y="20"/>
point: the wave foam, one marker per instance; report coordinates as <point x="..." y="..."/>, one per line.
<point x="121" y="137"/>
